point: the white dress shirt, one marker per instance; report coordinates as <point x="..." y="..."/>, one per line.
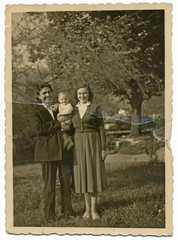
<point x="49" y="110"/>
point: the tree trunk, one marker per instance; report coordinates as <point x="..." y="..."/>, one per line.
<point x="136" y="116"/>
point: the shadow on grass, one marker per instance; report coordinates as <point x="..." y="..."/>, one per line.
<point x="136" y="176"/>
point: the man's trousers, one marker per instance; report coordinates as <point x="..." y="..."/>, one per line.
<point x="49" y="170"/>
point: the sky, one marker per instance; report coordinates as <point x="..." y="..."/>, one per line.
<point x="173" y="143"/>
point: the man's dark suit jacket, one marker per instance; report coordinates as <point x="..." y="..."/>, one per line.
<point x="48" y="144"/>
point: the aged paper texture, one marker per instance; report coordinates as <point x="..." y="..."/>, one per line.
<point x="111" y="171"/>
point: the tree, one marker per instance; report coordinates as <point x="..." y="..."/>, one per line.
<point x="116" y="52"/>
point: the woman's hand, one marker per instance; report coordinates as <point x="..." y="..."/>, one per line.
<point x="61" y="118"/>
<point x="103" y="154"/>
<point x="65" y="127"/>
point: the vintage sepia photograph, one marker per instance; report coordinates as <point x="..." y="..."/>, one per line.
<point x="88" y="100"/>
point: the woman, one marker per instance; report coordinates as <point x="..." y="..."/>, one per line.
<point x="89" y="150"/>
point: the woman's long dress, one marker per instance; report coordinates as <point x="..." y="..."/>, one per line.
<point x="89" y="141"/>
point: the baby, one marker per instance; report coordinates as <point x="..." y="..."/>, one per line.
<point x="65" y="110"/>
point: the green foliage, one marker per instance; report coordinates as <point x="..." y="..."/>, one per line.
<point x="23" y="138"/>
<point x="116" y="52"/>
<point x="105" y="49"/>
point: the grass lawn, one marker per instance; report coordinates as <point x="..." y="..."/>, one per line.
<point x="135" y="196"/>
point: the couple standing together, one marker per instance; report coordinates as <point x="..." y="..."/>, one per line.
<point x="88" y="152"/>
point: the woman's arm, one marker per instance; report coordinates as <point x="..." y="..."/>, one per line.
<point x="100" y="125"/>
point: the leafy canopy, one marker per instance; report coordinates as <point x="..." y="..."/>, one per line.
<point x="120" y="52"/>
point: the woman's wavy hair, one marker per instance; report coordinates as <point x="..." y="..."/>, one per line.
<point x="90" y="98"/>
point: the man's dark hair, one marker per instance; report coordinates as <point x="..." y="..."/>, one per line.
<point x="41" y="86"/>
<point x="90" y="98"/>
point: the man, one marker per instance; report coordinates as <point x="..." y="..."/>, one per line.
<point x="49" y="152"/>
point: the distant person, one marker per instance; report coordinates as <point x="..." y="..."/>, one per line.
<point x="89" y="150"/>
<point x="49" y="152"/>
